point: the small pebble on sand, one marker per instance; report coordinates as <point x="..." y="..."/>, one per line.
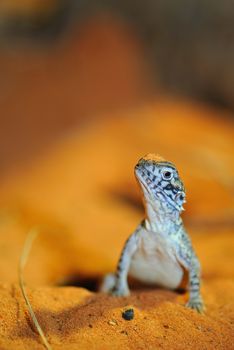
<point x="128" y="314"/>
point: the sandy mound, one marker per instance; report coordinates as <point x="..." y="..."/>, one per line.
<point x="75" y="318"/>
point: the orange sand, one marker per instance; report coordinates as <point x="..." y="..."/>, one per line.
<point x="73" y="318"/>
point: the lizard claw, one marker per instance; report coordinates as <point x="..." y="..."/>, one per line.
<point x="196" y="304"/>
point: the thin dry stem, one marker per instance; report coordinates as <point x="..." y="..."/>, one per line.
<point x="23" y="260"/>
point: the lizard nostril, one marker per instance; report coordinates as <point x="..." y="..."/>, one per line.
<point x="177" y="184"/>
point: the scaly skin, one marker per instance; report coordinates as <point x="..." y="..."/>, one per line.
<point x="159" y="250"/>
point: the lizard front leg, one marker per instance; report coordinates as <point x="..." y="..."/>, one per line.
<point x="121" y="284"/>
<point x="195" y="300"/>
<point x="189" y="260"/>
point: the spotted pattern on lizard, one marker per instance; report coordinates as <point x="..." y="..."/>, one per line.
<point x="160" y="250"/>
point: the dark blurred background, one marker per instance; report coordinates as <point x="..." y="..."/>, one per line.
<point x="63" y="62"/>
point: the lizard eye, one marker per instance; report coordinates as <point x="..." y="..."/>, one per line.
<point x="167" y="175"/>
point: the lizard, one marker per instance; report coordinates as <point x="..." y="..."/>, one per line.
<point x="159" y="251"/>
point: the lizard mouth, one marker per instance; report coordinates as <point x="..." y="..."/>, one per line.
<point x="160" y="195"/>
<point x="145" y="184"/>
<point x="168" y="200"/>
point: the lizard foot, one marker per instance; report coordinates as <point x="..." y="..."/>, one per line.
<point x="120" y="292"/>
<point x="196" y="304"/>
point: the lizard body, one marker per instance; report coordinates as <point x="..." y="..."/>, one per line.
<point x="160" y="250"/>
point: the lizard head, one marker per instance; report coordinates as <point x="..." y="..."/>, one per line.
<point x="160" y="182"/>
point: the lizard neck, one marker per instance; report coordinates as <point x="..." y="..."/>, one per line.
<point x="159" y="217"/>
